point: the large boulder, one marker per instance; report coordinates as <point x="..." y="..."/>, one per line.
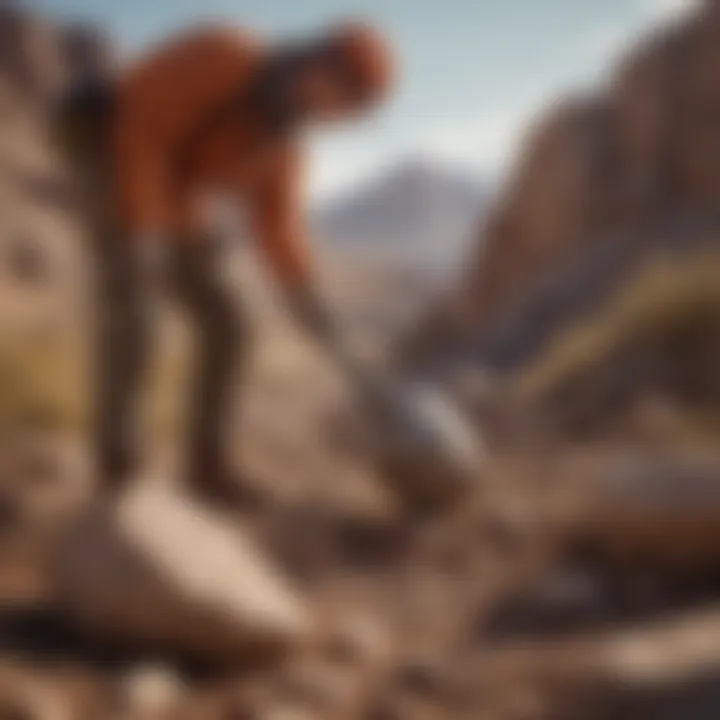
<point x="156" y="571"/>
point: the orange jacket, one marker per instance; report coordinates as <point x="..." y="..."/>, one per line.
<point x="166" y="158"/>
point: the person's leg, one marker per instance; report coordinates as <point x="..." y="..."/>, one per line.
<point x="121" y="296"/>
<point x="123" y="335"/>
<point x="222" y="343"/>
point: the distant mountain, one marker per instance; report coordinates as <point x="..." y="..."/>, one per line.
<point x="419" y="213"/>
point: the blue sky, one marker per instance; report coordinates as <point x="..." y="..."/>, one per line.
<point x="473" y="71"/>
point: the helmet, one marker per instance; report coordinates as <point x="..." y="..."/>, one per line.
<point x="363" y="59"/>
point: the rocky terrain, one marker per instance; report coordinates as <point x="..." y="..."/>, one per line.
<point x="579" y="581"/>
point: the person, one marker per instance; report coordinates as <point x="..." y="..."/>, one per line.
<point x="212" y="110"/>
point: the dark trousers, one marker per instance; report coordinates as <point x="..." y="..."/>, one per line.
<point x="125" y="288"/>
<point x="125" y="291"/>
<point x="126" y="296"/>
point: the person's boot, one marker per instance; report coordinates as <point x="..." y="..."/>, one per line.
<point x="227" y="491"/>
<point x="222" y="340"/>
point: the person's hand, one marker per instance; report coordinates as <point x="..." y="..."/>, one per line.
<point x="374" y="389"/>
<point x="313" y="316"/>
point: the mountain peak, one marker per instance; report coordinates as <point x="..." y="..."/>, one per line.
<point x="418" y="209"/>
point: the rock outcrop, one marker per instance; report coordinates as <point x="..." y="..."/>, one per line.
<point x="596" y="171"/>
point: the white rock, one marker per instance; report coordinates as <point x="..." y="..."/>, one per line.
<point x="156" y="570"/>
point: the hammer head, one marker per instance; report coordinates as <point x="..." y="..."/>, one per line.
<point x="428" y="451"/>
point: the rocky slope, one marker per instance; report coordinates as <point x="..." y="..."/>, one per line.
<point x="598" y="172"/>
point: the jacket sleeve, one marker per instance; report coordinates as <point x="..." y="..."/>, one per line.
<point x="277" y="217"/>
<point x="140" y="197"/>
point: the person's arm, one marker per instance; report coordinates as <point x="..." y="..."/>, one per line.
<point x="278" y="220"/>
<point x="277" y="216"/>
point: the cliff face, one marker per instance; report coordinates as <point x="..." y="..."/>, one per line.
<point x="644" y="149"/>
<point x="38" y="236"/>
<point x="31" y="54"/>
<point x="38" y="56"/>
